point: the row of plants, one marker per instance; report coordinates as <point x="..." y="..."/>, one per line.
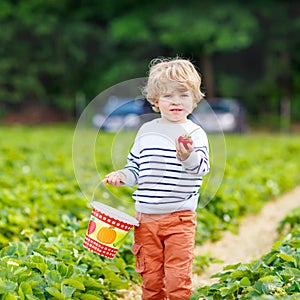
<point x="52" y="264"/>
<point x="44" y="213"/>
<point x="258" y="168"/>
<point x="276" y="275"/>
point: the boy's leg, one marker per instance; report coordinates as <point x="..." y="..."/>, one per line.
<point x="148" y="249"/>
<point x="179" y="254"/>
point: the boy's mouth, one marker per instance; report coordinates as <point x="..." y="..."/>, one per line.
<point x="176" y="109"/>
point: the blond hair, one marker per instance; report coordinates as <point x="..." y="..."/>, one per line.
<point x="175" y="71"/>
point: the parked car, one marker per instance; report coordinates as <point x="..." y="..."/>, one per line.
<point x="123" y="113"/>
<point x="220" y="115"/>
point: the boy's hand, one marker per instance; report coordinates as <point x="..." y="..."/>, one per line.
<point x="183" y="152"/>
<point x="114" y="178"/>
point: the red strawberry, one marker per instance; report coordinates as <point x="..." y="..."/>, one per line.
<point x="185" y="140"/>
<point x="91" y="227"/>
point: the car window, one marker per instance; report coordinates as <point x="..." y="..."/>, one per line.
<point x="220" y="108"/>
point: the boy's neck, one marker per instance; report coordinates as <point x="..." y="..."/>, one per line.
<point x="164" y="121"/>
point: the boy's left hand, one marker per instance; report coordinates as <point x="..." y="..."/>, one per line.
<point x="114" y="178"/>
<point x="182" y="152"/>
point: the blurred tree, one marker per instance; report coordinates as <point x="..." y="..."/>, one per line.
<point x="205" y="29"/>
<point x="280" y="40"/>
<point x="44" y="53"/>
<point x="52" y="50"/>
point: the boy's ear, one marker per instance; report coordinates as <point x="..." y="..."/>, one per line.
<point x="155" y="102"/>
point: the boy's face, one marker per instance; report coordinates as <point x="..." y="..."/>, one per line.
<point x="175" y="105"/>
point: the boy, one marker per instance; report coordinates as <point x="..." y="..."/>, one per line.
<point x="168" y="176"/>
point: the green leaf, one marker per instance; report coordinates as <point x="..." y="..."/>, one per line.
<point x="21" y="294"/>
<point x="88" y="297"/>
<point x="114" y="281"/>
<point x="62" y="269"/>
<point x="232" y="267"/>
<point x="291" y="272"/>
<point x="55" y="293"/>
<point x="229" y="289"/>
<point x="9" y="250"/>
<point x="267" y="284"/>
<point x="94" y="284"/>
<point x="7" y="286"/>
<point x="271" y="257"/>
<point x="245" y="282"/>
<point x="31" y="297"/>
<point x="81" y="268"/>
<point x="9" y="296"/>
<point x="75" y="283"/>
<point x="38" y="262"/>
<point x="288" y="258"/>
<point x="53" y="277"/>
<point x="68" y="291"/>
<point x="25" y="288"/>
<point x="20" y="271"/>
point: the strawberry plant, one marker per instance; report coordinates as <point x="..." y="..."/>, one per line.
<point x="45" y="215"/>
<point x="274" y="276"/>
<point x="252" y="176"/>
<point x="53" y="264"/>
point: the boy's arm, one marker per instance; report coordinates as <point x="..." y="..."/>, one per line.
<point x="197" y="162"/>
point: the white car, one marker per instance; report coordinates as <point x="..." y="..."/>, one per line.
<point x="220" y="115"/>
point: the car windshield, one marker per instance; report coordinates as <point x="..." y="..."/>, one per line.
<point x="220" y="108"/>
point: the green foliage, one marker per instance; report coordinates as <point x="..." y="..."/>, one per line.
<point x="223" y="31"/>
<point x="54" y="262"/>
<point x="44" y="218"/>
<point x="44" y="215"/>
<point x="291" y="221"/>
<point x="274" y="276"/>
<point x="52" y="50"/>
<point x="251" y="178"/>
<point x="45" y="52"/>
<point x="201" y="262"/>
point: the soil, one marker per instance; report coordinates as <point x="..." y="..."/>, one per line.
<point x="34" y="114"/>
<point x="256" y="235"/>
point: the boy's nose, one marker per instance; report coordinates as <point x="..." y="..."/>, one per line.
<point x="176" y="100"/>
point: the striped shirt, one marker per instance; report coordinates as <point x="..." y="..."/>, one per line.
<point x="164" y="183"/>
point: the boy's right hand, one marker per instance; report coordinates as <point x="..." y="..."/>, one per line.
<point x="114" y="178"/>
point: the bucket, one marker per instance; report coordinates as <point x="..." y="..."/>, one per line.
<point x="107" y="229"/>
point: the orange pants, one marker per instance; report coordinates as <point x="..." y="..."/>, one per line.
<point x="164" y="249"/>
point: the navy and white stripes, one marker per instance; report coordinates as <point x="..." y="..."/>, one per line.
<point x="166" y="184"/>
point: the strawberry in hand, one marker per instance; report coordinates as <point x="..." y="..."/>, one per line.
<point x="185" y="140"/>
<point x="184" y="147"/>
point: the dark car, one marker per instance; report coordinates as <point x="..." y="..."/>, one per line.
<point x="220" y="115"/>
<point x="122" y="113"/>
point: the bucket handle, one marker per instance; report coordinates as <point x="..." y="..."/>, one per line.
<point x="92" y="199"/>
<point x="94" y="192"/>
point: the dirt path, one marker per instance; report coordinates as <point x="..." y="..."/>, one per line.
<point x="256" y="236"/>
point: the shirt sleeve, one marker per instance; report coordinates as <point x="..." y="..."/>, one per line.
<point x="131" y="170"/>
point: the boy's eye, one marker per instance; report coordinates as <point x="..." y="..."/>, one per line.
<point x="184" y="95"/>
<point x="167" y="96"/>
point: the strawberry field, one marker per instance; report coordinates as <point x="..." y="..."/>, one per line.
<point x="44" y="216"/>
